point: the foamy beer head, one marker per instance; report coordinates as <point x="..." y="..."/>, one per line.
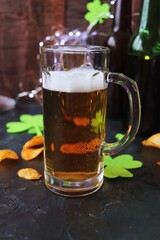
<point x="81" y="79"/>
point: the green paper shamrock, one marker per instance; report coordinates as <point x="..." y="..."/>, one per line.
<point x="34" y="124"/>
<point x="97" y="121"/>
<point x="119" y="136"/>
<point x="117" y="167"/>
<point x="97" y="12"/>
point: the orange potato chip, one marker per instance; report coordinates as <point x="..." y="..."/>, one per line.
<point x="81" y="121"/>
<point x="31" y="153"/>
<point x="35" y="141"/>
<point x="52" y="147"/>
<point x="81" y="148"/>
<point x="32" y="148"/>
<point x="29" y="174"/>
<point x="78" y="121"/>
<point x="68" y="118"/>
<point x="153" y="141"/>
<point x="8" y="154"/>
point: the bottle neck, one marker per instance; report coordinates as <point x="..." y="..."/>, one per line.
<point x="122" y="16"/>
<point x="149" y="17"/>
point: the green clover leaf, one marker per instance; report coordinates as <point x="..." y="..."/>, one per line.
<point x="32" y="123"/>
<point x="96" y="122"/>
<point x="117" y="167"/>
<point x="119" y="136"/>
<point x="97" y="12"/>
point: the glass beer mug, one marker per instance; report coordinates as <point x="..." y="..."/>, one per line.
<point x="75" y="81"/>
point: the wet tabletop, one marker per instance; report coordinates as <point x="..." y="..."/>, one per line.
<point x="123" y="209"/>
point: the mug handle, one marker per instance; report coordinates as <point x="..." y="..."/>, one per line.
<point x="135" y="113"/>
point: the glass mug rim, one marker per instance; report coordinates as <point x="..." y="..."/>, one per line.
<point x="76" y="49"/>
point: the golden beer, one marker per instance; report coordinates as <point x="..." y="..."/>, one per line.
<point x="76" y="124"/>
<point x="74" y="105"/>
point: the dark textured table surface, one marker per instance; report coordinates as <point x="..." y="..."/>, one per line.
<point x="123" y="209"/>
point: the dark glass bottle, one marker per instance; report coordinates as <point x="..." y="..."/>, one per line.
<point x="117" y="41"/>
<point x="144" y="65"/>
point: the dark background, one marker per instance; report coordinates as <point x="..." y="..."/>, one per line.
<point x="23" y="24"/>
